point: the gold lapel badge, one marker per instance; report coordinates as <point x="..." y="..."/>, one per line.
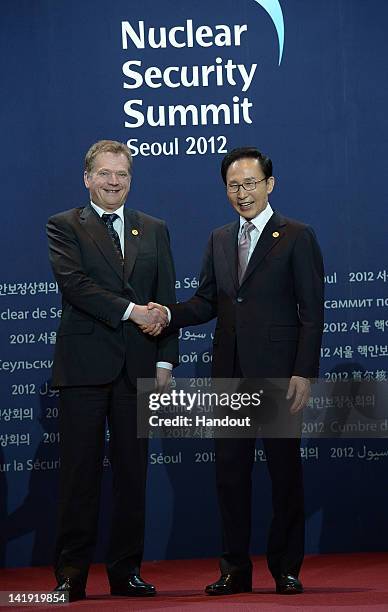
<point x="135" y="232"/>
<point x="275" y="234"/>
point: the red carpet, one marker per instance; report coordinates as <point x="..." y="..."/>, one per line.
<point x="351" y="583"/>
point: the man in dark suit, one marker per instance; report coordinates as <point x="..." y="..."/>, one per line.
<point x="108" y="260"/>
<point x="262" y="277"/>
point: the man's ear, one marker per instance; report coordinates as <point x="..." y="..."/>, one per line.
<point x="270" y="184"/>
<point x="86" y="180"/>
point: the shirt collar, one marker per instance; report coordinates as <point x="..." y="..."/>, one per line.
<point x="261" y="220"/>
<point x="100" y="211"/>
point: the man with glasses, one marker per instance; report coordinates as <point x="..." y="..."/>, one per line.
<point x="109" y="261"/>
<point x="262" y="277"/>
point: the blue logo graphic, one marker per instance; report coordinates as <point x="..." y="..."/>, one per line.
<point x="274" y="10"/>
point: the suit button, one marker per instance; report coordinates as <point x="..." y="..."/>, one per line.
<point x="239" y="300"/>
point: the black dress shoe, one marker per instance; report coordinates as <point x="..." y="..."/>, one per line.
<point x="288" y="584"/>
<point x="133" y="586"/>
<point x="75" y="589"/>
<point x="228" y="584"/>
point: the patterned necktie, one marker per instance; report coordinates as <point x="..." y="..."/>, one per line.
<point x="108" y="220"/>
<point x="243" y="249"/>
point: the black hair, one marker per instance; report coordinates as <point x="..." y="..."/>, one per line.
<point x="244" y="152"/>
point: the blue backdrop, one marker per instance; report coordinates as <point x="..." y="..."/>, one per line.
<point x="304" y="81"/>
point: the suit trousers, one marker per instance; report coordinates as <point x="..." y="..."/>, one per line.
<point x="234" y="464"/>
<point x="83" y="415"/>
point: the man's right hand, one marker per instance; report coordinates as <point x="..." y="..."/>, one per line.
<point x="150" y="320"/>
<point x="151" y="328"/>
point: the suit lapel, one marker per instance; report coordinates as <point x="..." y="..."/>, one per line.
<point x="133" y="234"/>
<point x="97" y="231"/>
<point x="272" y="233"/>
<point x="229" y="244"/>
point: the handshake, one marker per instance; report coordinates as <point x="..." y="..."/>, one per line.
<point x="151" y="319"/>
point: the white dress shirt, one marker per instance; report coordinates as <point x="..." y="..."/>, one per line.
<point x="259" y="222"/>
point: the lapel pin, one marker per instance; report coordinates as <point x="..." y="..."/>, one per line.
<point x="135" y="232"/>
<point x="275" y="234"/>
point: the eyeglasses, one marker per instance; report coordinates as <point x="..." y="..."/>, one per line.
<point x="248" y="185"/>
<point x="106" y="174"/>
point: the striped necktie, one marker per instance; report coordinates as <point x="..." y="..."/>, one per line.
<point x="108" y="220"/>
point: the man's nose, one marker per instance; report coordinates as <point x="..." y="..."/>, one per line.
<point x="113" y="178"/>
<point x="242" y="193"/>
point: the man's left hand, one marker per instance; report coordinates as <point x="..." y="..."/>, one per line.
<point x="299" y="389"/>
<point x="163" y="379"/>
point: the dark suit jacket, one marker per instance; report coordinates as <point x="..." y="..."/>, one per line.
<point x="275" y="318"/>
<point x="92" y="342"/>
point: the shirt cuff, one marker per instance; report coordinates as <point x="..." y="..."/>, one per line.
<point x="168" y="314"/>
<point x="128" y="311"/>
<point x="164" y="364"/>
